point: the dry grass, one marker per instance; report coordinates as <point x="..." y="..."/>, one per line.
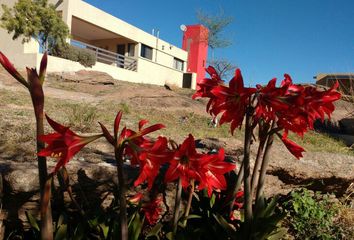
<point x="321" y="142"/>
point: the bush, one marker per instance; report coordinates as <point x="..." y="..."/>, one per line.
<point x="83" y="56"/>
<point x="86" y="58"/>
<point x="311" y="216"/>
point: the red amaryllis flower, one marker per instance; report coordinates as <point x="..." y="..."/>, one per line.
<point x="63" y="144"/>
<point x="129" y="138"/>
<point x="185" y="163"/>
<point x="136" y="198"/>
<point x="231" y="101"/>
<point x="293" y="148"/>
<point x="152" y="210"/>
<point x="151" y="156"/>
<point x="213" y="167"/>
<point x="207" y="84"/>
<point x="272" y="99"/>
<point x="5" y="62"/>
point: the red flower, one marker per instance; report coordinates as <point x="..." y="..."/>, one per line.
<point x="5" y="62"/>
<point x="185" y="163"/>
<point x="294" y="107"/>
<point x="63" y="144"/>
<point x="136" y="198"/>
<point x="152" y="210"/>
<point x="207" y="84"/>
<point x="130" y="139"/>
<point x="207" y="169"/>
<point x="272" y="99"/>
<point x="293" y="148"/>
<point x="213" y="167"/>
<point x="231" y="101"/>
<point x="151" y="156"/>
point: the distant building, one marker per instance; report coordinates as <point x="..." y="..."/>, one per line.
<point x="195" y="42"/>
<point x="346" y="81"/>
<point x="122" y="50"/>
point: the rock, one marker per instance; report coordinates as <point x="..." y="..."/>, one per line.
<point x="21" y="178"/>
<point x="329" y="172"/>
<point x="83" y="76"/>
<point x="347" y="125"/>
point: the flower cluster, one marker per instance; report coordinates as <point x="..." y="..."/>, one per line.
<point x="149" y="154"/>
<point x="291" y="107"/>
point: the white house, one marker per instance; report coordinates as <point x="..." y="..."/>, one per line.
<point x="122" y="50"/>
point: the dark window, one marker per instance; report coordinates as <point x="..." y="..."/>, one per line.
<point x="146" y="52"/>
<point x="131" y="49"/>
<point x="178" y="64"/>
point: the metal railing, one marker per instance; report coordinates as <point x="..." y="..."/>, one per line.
<point x="108" y="57"/>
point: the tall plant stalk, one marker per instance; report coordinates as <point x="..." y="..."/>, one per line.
<point x="177" y="207"/>
<point x="122" y="190"/>
<point x="189" y="203"/>
<point x="263" y="171"/>
<point x="46" y="213"/>
<point x="247" y="171"/>
<point x="257" y="165"/>
<point x="235" y="187"/>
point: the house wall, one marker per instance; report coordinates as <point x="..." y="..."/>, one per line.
<point x="157" y="71"/>
<point x="171" y="76"/>
<point x="99" y="18"/>
<point x="15" y="49"/>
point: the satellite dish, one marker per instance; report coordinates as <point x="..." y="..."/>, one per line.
<point x="183" y="28"/>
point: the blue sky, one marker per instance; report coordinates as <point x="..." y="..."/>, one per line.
<point x="270" y="37"/>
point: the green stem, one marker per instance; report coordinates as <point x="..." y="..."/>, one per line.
<point x="235" y="187"/>
<point x="122" y="190"/>
<point x="265" y="163"/>
<point x="46" y="214"/>
<point x="189" y="203"/>
<point x="257" y="164"/>
<point x="247" y="177"/>
<point x="177" y="207"/>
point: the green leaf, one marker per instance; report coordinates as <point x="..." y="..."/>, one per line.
<point x="224" y="224"/>
<point x="32" y="221"/>
<point x="193" y="216"/>
<point x="61" y="233"/>
<point x="277" y="234"/>
<point x="155" y="231"/>
<point x="79" y="232"/>
<point x="212" y="200"/>
<point x="169" y="235"/>
<point x="105" y="229"/>
<point x="60" y="221"/>
<point x="135" y="227"/>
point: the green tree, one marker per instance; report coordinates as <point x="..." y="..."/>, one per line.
<point x="35" y="19"/>
<point x="216" y="25"/>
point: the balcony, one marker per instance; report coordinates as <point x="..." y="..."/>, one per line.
<point x="108" y="57"/>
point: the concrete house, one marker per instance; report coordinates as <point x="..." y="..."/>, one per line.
<point x="345" y="80"/>
<point x="122" y="50"/>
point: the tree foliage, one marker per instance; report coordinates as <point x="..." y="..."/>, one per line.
<point x="35" y="19"/>
<point x="216" y="25"/>
<point x="223" y="67"/>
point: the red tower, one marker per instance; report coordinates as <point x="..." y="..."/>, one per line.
<point x="195" y="42"/>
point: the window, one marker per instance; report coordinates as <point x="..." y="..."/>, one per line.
<point x="131" y="49"/>
<point x="146" y="52"/>
<point x="178" y="64"/>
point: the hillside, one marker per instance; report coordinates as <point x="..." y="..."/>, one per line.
<point x="81" y="100"/>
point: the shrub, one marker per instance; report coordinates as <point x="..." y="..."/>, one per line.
<point x="83" y="56"/>
<point x="311" y="215"/>
<point x="86" y="58"/>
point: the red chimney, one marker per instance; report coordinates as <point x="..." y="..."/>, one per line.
<point x="195" y="42"/>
